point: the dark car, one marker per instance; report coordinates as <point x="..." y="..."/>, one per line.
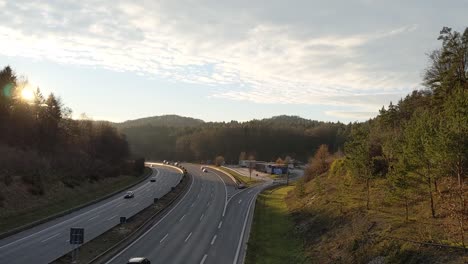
<point x="138" y="261"/>
<point x="153" y="179"/>
<point x="129" y="195"/>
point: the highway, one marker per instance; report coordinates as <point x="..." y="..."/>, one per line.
<point x="46" y="242"/>
<point x="209" y="224"/>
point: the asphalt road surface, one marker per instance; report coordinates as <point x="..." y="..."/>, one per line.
<point x="209" y="224"/>
<point x="49" y="241"/>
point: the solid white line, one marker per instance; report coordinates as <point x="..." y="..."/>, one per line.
<point x="213" y="240"/>
<point x="220" y="224"/>
<point x="154" y="226"/>
<point x="111" y="217"/>
<point x="181" y="218"/>
<point x="93" y="217"/>
<point x="163" y="238"/>
<point x="50" y="238"/>
<point x="203" y="259"/>
<point x="201" y="217"/>
<point x="236" y="258"/>
<point x="188" y="237"/>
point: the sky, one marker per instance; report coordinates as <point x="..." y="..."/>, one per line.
<point x="225" y="60"/>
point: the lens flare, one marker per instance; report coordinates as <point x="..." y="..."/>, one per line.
<point x="27" y="94"/>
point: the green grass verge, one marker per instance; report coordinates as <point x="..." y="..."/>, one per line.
<point x="244" y="179"/>
<point x="66" y="199"/>
<point x="273" y="238"/>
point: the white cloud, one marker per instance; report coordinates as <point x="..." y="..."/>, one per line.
<point x="273" y="56"/>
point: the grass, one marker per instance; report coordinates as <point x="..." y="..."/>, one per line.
<point x="273" y="238"/>
<point x="331" y="215"/>
<point x="239" y="177"/>
<point x="25" y="208"/>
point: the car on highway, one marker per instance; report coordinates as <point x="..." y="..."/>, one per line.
<point x="129" y="194"/>
<point x="241" y="186"/>
<point x="153" y="179"/>
<point x="138" y="261"/>
<point x="205" y="170"/>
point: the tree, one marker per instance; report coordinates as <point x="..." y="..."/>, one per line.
<point x="242" y="156"/>
<point x="279" y="161"/>
<point x="219" y="161"/>
<point x="419" y="141"/>
<point x="358" y="157"/>
<point x="319" y="164"/>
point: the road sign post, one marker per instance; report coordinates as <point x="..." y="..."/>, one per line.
<point x="76" y="239"/>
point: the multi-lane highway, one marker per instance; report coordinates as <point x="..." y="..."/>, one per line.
<point x="44" y="243"/>
<point x="209" y="224"/>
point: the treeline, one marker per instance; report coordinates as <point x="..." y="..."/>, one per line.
<point x="40" y="144"/>
<point x="419" y="146"/>
<point x="265" y="139"/>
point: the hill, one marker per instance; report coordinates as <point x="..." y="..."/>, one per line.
<point x="161" y="121"/>
<point x="184" y="138"/>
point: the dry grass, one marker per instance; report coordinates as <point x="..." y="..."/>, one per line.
<point x="337" y="228"/>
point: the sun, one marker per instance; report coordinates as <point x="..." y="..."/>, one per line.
<point x="27" y="94"/>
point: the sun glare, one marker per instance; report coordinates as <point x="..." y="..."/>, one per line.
<point x="27" y="94"/>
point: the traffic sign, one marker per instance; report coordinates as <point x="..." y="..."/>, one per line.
<point x="76" y="236"/>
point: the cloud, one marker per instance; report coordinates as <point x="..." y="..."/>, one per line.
<point x="265" y="52"/>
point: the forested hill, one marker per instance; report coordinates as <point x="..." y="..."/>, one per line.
<point x="180" y="138"/>
<point x="164" y="120"/>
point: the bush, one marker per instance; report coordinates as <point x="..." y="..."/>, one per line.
<point x="7" y="179"/>
<point x="2" y="199"/>
<point x="139" y="166"/>
<point x="337" y="168"/>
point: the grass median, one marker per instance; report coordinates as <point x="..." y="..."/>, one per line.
<point x="239" y="177"/>
<point x="273" y="238"/>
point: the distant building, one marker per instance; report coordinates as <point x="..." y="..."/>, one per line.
<point x="271" y="168"/>
<point x="246" y="163"/>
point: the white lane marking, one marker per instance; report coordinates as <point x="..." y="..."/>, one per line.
<point x="111" y="217"/>
<point x="120" y="204"/>
<point x="220" y="224"/>
<point x="154" y="226"/>
<point x="188" y="237"/>
<point x="182" y="218"/>
<point x="93" y="217"/>
<point x="135" y="204"/>
<point x="49" y="238"/>
<point x="203" y="259"/>
<point x="236" y="258"/>
<point x="250" y="191"/>
<point x="225" y="189"/>
<point x="68" y="240"/>
<point x="163" y="238"/>
<point x="192" y="205"/>
<point x="201" y="217"/>
<point x="214" y="239"/>
<point x="240" y="201"/>
<point x="198" y="195"/>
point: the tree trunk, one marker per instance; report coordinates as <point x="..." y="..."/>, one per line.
<point x="432" y="198"/>
<point x="406" y="206"/>
<point x="368" y="192"/>
<point x="436" y="188"/>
